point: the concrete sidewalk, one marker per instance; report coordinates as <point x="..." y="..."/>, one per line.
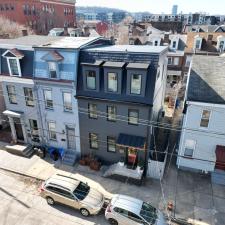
<point x="194" y="196"/>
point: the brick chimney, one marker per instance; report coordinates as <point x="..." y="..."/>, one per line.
<point x="65" y="31"/>
<point x="24" y="32"/>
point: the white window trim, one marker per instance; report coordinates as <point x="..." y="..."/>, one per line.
<point x="198" y="39"/>
<point x="219" y="39"/>
<point x="18" y="64"/>
<point x="171" y="44"/>
<point x="67" y="92"/>
<point x="48" y="122"/>
<point x="193" y="155"/>
<point x="205" y="128"/>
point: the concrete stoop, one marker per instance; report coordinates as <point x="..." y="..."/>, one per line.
<point x="69" y="158"/>
<point x="20" y="150"/>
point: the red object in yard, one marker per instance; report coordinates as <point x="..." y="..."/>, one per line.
<point x="132" y="158"/>
<point x="41" y="189"/>
<point x="220" y="157"/>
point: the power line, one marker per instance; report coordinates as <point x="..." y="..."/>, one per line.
<point x="151" y="150"/>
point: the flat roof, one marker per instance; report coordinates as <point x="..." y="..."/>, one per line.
<point x="138" y="66"/>
<point x="114" y="64"/>
<point x="131" y="48"/>
<point x="69" y="42"/>
<point x="27" y="41"/>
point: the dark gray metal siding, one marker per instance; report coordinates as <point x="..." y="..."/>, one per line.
<point x="26" y="63"/>
<point x="90" y="56"/>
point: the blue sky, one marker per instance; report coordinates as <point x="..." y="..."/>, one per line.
<point x="159" y="6"/>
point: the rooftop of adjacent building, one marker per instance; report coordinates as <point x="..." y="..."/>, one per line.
<point x="47" y="42"/>
<point x="130" y="48"/>
<point x="207" y="79"/>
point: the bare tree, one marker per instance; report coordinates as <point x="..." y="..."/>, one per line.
<point x="10" y="29"/>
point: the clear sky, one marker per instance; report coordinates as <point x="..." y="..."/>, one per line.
<point x="159" y="6"/>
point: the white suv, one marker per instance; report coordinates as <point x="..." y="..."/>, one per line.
<point x="126" y="210"/>
<point x="70" y="191"/>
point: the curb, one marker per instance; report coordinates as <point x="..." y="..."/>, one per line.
<point x="22" y="174"/>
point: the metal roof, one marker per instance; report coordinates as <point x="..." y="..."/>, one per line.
<point x="96" y="63"/>
<point x="174" y="72"/>
<point x="131" y="140"/>
<point x="138" y="66"/>
<point x="207" y="80"/>
<point x="114" y="64"/>
<point x="70" y="42"/>
<point x="130" y="48"/>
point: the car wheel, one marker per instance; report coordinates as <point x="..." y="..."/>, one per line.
<point x="84" y="212"/>
<point x="113" y="222"/>
<point x="50" y="201"/>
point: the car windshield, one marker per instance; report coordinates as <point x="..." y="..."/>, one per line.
<point x="149" y="213"/>
<point x="81" y="191"/>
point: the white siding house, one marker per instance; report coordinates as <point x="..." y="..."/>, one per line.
<point x="204" y="115"/>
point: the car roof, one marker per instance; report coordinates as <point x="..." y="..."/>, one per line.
<point x="128" y="203"/>
<point x="62" y="181"/>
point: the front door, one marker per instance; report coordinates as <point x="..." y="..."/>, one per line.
<point x="18" y="128"/>
<point x="71" y="140"/>
<point x="132" y="157"/>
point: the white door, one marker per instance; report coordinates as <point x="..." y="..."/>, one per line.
<point x="71" y="139"/>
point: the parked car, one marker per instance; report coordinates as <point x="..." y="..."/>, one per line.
<point x="125" y="210"/>
<point x="72" y="192"/>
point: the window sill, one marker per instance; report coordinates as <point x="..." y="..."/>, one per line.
<point x="188" y="157"/>
<point x="49" y="109"/>
<point x="13" y="103"/>
<point x="68" y="111"/>
<point x="134" y="124"/>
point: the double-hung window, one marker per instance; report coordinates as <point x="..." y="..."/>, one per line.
<point x="111" y="113"/>
<point x="11" y="94"/>
<point x="93" y="140"/>
<point x="52" y="70"/>
<point x="48" y="99"/>
<point x="170" y="60"/>
<point x="92" y="111"/>
<point x="34" y="128"/>
<point x="189" y="148"/>
<point x="52" y="130"/>
<point x="67" y="101"/>
<point x="205" y="118"/>
<point x="91" y="80"/>
<point x="111" y="144"/>
<point x="29" y="98"/>
<point x="135" y="84"/>
<point x="133" y="116"/>
<point x="14" y="67"/>
<point x="112" y="82"/>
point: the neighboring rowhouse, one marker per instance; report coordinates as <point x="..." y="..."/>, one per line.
<point x="16" y="74"/>
<point x="55" y="76"/>
<point x="120" y="89"/>
<point x="203" y="135"/>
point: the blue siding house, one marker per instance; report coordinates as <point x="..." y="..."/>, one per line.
<point x="55" y="78"/>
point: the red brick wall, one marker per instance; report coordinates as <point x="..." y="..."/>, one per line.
<point x="40" y="15"/>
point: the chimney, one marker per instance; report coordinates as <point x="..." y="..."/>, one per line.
<point x="166" y="38"/>
<point x="24" y="32"/>
<point x="86" y="31"/>
<point x="65" y="31"/>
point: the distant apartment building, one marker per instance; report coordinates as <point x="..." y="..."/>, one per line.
<point x="40" y="15"/>
<point x="174" y="10"/>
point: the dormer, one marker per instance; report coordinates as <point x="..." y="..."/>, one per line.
<point x="197" y="42"/>
<point x="156" y="41"/>
<point x="53" y="58"/>
<point x="174" y="43"/>
<point x="220" y="43"/>
<point x="13" y="57"/>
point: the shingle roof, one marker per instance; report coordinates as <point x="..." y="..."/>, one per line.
<point x="53" y="56"/>
<point x="207" y="80"/>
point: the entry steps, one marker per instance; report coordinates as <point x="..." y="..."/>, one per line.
<point x="21" y="150"/>
<point x="69" y="158"/>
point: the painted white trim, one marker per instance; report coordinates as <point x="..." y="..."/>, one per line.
<point x="210" y="105"/>
<point x="20" y="47"/>
<point x="6" y="52"/>
<point x="18" y="66"/>
<point x="210" y="115"/>
<point x="59" y="3"/>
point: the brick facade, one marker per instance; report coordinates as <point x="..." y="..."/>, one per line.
<point x="40" y="15"/>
